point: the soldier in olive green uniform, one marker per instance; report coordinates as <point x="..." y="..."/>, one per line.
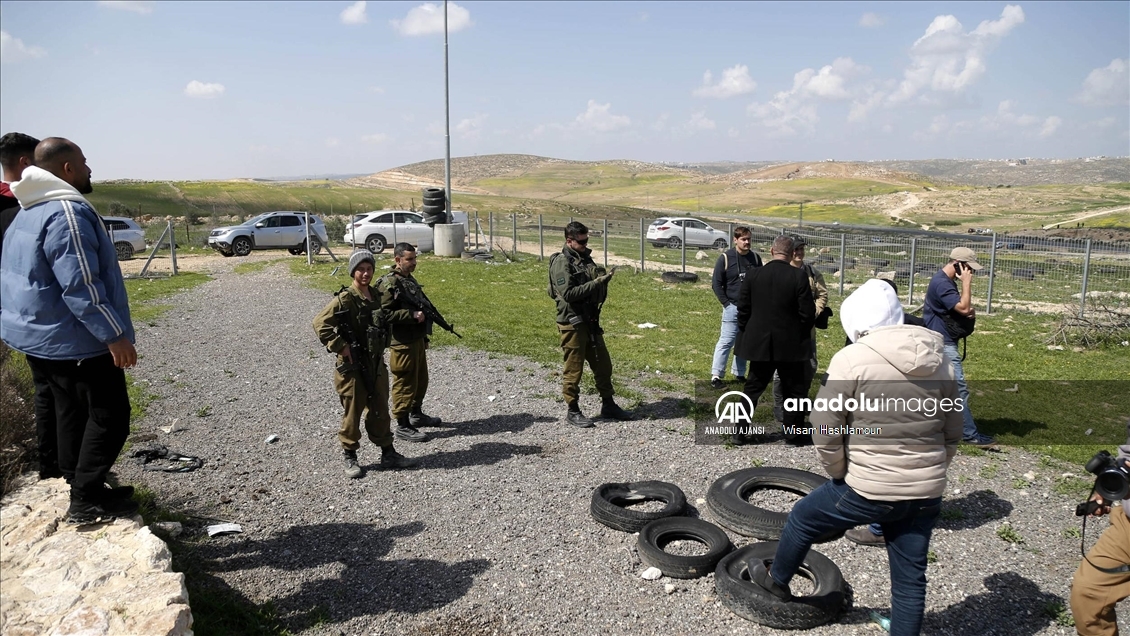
<point x="363" y="386"/>
<point x="580" y="288"/>
<point x="407" y="356"/>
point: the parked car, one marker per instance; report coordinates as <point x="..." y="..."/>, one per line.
<point x="1011" y="245"/>
<point x="668" y="232"/>
<point x="272" y="230"/>
<point x="382" y="228"/>
<point x="127" y="235"/>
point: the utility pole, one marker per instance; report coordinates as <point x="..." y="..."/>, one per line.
<point x="447" y="122"/>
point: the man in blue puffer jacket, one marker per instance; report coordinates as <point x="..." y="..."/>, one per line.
<point x="63" y="304"/>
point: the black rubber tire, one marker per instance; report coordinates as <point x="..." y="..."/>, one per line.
<point x="657" y="534"/>
<point x="831" y="597"/>
<point x="880" y="262"/>
<point x="315" y="245"/>
<point x="721" y="244"/>
<point x="436" y="208"/>
<point x="727" y="500"/>
<point x="679" y="277"/>
<point x="376" y="243"/>
<point x="227" y="254"/>
<point x="608" y="503"/>
<point x="241" y="246"/>
<point x="124" y="250"/>
<point x="675" y="243"/>
<point x="471" y="254"/>
<point x="294" y="250"/>
<point x="434" y="194"/>
<point x="1024" y="274"/>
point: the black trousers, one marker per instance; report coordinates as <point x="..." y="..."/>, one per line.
<point x="92" y="418"/>
<point x="793" y="385"/>
<point x="45" y="425"/>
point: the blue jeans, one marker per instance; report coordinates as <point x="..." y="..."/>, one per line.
<point x="906" y="525"/>
<point x="726" y="339"/>
<point x="969" y="430"/>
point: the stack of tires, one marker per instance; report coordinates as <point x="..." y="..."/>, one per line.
<point x="435" y="206"/>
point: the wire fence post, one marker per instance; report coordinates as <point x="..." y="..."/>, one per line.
<point x="514" y="235"/>
<point x="477" y="225"/>
<point x="309" y="252"/>
<point x="605" y="244"/>
<point x="541" y="240"/>
<point x="643" y="240"/>
<point x="173" y="246"/>
<point x="490" y="231"/>
<point x="913" y="255"/>
<point x="992" y="274"/>
<point x="1086" y="272"/>
<point x="843" y="251"/>
<point x="684" y="246"/>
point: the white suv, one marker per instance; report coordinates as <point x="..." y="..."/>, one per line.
<point x="272" y="230"/>
<point x="668" y="232"/>
<point x="382" y="228"/>
<point x="127" y="235"/>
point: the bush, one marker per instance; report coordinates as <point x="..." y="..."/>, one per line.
<point x="17" y="417"/>
<point x="335" y="227"/>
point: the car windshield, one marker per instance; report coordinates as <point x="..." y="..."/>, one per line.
<point x="254" y="220"/>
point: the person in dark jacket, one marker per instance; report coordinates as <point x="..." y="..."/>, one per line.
<point x="729" y="273"/>
<point x="775" y="334"/>
<point x="63" y="305"/>
<point x="17" y="152"/>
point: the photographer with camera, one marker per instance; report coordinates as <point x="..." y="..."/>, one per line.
<point x="950" y="312"/>
<point x="1103" y="578"/>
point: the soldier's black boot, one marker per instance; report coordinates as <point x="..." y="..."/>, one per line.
<point x="575" y="418"/>
<point x="613" y="411"/>
<point x="418" y="418"/>
<point x="405" y="431"/>
<point x="392" y="460"/>
<point x="352" y="468"/>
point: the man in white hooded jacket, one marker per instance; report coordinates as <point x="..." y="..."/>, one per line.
<point x="886" y="435"/>
<point x="63" y="304"/>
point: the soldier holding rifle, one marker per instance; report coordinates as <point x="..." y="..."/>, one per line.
<point x="351" y="326"/>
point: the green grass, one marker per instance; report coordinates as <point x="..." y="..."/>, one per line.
<point x="1007" y="533"/>
<point x="145" y="292"/>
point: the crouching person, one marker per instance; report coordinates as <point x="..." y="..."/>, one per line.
<point x="890" y="466"/>
<point x="346" y="327"/>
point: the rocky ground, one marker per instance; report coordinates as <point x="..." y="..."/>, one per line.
<point x="492" y="533"/>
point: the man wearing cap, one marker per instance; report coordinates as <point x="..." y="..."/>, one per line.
<point x="360" y="378"/>
<point x="942" y="299"/>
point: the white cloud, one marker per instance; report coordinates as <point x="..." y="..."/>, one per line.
<point x="471" y="128"/>
<point x="141" y="7"/>
<point x="354" y="13"/>
<point x="428" y="18"/>
<point x="332" y="142"/>
<point x="201" y="90"/>
<point x="948" y="59"/>
<point x="599" y="118"/>
<point x="794" y="111"/>
<point x="829" y="81"/>
<point x="1051" y="124"/>
<point x="377" y="89"/>
<point x="872" y="20"/>
<point x="375" y="138"/>
<point x="13" y="49"/>
<point x="1107" y="86"/>
<point x="699" y="121"/>
<point x="735" y="81"/>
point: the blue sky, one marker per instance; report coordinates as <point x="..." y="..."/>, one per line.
<point x="167" y="90"/>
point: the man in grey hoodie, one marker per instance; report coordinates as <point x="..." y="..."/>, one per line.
<point x="887" y="458"/>
<point x="63" y="304"/>
<point x="1095" y="592"/>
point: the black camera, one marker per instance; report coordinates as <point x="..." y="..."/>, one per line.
<point x="1112" y="481"/>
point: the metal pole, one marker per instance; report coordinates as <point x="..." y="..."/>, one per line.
<point x="643" y="237"/>
<point x="1086" y="270"/>
<point x="447" y="123"/>
<point x="730" y="236"/>
<point x="490" y="230"/>
<point x="514" y="235"/>
<point x="309" y="252"/>
<point x="173" y="247"/>
<point x="394" y="240"/>
<point x="684" y="226"/>
<point x="910" y="287"/>
<point x="606" y="244"/>
<point x="153" y="252"/>
<point x="541" y="240"/>
<point x="992" y="274"/>
<point x="477" y="225"/>
<point x="843" y="250"/>
<point x="800" y="219"/>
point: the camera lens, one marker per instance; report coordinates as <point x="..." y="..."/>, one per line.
<point x="1112" y="485"/>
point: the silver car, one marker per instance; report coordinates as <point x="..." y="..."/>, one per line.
<point x="381" y="228"/>
<point x="272" y="230"/>
<point x="127" y="235"/>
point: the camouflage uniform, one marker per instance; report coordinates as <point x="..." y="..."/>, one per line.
<point x="356" y="398"/>
<point x="580" y="288"/>
<point x="407" y="358"/>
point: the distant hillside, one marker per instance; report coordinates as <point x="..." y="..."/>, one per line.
<point x="1018" y="172"/>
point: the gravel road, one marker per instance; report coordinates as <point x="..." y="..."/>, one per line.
<point x="492" y="533"/>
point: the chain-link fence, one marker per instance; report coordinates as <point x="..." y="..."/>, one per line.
<point x="1033" y="273"/>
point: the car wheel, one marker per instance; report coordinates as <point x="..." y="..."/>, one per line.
<point x="831" y="595"/>
<point x="376" y="243"/>
<point x="674" y="243"/>
<point x="728" y="499"/>
<point x="315" y="246"/>
<point x="227" y="254"/>
<point x="124" y="250"/>
<point x="720" y="244"/>
<point x="294" y="250"/>
<point x="241" y="246"/>
<point x="655" y="536"/>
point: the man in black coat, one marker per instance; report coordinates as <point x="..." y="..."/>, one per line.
<point x="775" y="315"/>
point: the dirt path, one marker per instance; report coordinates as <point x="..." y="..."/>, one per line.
<point x="1088" y="216"/>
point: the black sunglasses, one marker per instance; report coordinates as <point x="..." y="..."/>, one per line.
<point x="584" y="241"/>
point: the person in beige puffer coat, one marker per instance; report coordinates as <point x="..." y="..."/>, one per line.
<point x="886" y="425"/>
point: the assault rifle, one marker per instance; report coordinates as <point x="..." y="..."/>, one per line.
<point x="358" y="353"/>
<point x="425" y="305"/>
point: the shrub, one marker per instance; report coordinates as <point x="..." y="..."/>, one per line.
<point x="335" y="227"/>
<point x="17" y="417"/>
